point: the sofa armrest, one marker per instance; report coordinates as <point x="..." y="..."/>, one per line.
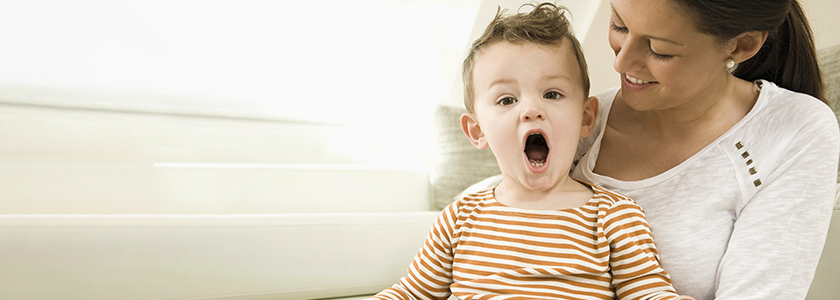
<point x="148" y="257"/>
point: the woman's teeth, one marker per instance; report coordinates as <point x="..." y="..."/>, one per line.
<point x="635" y="80"/>
<point x="537" y="164"/>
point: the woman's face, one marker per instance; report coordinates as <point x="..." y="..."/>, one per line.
<point x="664" y="62"/>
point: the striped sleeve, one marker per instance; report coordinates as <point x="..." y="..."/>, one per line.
<point x="634" y="261"/>
<point x="430" y="274"/>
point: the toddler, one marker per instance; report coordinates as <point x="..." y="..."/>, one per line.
<point x="539" y="233"/>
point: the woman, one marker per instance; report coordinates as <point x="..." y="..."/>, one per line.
<point x="717" y="131"/>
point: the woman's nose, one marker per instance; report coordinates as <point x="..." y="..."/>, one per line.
<point x="629" y="55"/>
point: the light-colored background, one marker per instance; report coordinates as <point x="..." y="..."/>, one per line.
<point x="117" y="117"/>
<point x="236" y="107"/>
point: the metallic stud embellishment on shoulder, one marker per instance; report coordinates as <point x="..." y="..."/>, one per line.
<point x="745" y="155"/>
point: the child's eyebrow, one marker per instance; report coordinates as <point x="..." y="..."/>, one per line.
<point x="615" y="13"/>
<point x="559" y="77"/>
<point x="502" y="81"/>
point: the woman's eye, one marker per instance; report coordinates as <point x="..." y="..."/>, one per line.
<point x="617" y="28"/>
<point x="507" y="101"/>
<point x="659" y="56"/>
<point x="553" y="95"/>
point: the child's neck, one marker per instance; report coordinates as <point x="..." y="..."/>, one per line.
<point x="567" y="193"/>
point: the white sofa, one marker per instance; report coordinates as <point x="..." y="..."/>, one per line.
<point x="146" y="257"/>
<point x="109" y="203"/>
<point x="241" y="257"/>
<point x="92" y="207"/>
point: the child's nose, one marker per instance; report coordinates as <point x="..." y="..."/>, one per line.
<point x="533" y="113"/>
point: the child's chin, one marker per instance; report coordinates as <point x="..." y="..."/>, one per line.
<point x="540" y="184"/>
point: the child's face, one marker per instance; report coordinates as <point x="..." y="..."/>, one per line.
<point x="530" y="110"/>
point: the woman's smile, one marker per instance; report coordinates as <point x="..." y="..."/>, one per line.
<point x="635" y="84"/>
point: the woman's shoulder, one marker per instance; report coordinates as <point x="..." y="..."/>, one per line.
<point x="783" y="125"/>
<point x="775" y="101"/>
<point x="781" y="114"/>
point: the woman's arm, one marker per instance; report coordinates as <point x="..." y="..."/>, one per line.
<point x="779" y="233"/>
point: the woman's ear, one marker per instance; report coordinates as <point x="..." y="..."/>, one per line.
<point x="746" y="45"/>
<point x="590" y="114"/>
<point x="471" y="128"/>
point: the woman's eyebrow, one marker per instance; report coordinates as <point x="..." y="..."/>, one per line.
<point x="615" y="13"/>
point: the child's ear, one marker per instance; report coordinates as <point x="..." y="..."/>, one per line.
<point x="469" y="124"/>
<point x="590" y="113"/>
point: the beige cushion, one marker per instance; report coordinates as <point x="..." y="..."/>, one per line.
<point x="456" y="163"/>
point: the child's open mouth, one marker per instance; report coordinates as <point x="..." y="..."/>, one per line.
<point x="536" y="150"/>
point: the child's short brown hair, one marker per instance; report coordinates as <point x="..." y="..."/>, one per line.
<point x="545" y="25"/>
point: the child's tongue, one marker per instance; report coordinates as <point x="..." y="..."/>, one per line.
<point x="536" y="152"/>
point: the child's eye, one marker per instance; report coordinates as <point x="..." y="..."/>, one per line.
<point x="553" y="95"/>
<point x="507" y="101"/>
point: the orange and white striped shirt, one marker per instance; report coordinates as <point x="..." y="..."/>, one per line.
<point x="481" y="249"/>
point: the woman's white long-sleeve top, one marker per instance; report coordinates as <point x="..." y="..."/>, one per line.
<point x="747" y="216"/>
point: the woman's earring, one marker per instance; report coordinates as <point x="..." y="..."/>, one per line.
<point x="730" y="65"/>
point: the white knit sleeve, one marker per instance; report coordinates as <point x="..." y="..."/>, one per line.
<point x="779" y="232"/>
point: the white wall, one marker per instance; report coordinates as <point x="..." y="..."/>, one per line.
<point x="599" y="55"/>
<point x="222" y="106"/>
<point x="824" y="16"/>
<point x="62" y="160"/>
<point x="370" y="63"/>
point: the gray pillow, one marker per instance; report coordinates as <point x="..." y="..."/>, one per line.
<point x="456" y="164"/>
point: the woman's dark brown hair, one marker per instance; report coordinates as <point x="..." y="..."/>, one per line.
<point x="788" y="57"/>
